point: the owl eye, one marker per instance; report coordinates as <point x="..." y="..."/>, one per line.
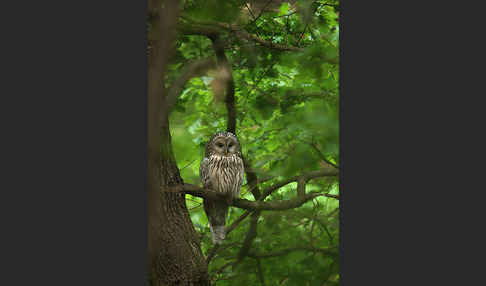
<point x="220" y="145"/>
<point x="230" y="145"/>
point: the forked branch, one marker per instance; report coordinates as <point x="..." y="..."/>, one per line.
<point x="278" y="205"/>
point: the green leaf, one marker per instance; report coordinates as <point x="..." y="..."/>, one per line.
<point x="284" y="9"/>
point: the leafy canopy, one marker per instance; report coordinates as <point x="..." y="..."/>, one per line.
<point x="287" y="123"/>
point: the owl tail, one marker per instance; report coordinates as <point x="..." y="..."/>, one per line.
<point x="216" y="212"/>
<point x="217" y="233"/>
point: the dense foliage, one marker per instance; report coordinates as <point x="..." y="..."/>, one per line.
<point x="286" y="99"/>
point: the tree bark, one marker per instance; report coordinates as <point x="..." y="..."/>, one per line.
<point x="179" y="260"/>
<point x="174" y="253"/>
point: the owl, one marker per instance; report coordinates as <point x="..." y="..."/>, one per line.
<point x="221" y="170"/>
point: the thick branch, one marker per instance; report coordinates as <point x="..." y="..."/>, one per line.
<point x="215" y="28"/>
<point x="198" y="29"/>
<point x="303" y="178"/>
<point x="260" y="204"/>
<point x="279" y="205"/>
<point x="197" y="191"/>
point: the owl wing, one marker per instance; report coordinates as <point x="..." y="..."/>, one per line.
<point x="239" y="180"/>
<point x="204" y="172"/>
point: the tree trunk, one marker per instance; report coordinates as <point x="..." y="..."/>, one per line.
<point x="174" y="252"/>
<point x="179" y="260"/>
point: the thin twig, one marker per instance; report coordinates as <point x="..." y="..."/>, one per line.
<point x="321" y="156"/>
<point x="261" y="13"/>
<point x="288" y="250"/>
<point x="286" y="15"/>
<point x="260" y="272"/>
<point x="188" y="164"/>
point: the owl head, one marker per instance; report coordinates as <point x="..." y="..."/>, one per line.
<point x="223" y="144"/>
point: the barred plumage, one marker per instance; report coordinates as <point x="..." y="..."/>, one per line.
<point x="222" y="171"/>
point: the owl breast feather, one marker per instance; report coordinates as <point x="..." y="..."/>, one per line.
<point x="225" y="174"/>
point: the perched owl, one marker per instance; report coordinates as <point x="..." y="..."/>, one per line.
<point x="221" y="170"/>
